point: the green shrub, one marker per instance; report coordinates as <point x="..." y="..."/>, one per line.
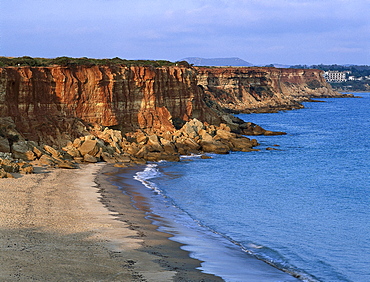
<point x="84" y="61"/>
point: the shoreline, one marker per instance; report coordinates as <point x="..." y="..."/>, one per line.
<point x="167" y="253"/>
<point x="58" y="225"/>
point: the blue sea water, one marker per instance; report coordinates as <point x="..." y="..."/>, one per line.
<point x="303" y="208"/>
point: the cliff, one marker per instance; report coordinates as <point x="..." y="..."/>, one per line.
<point x="56" y="104"/>
<point x="260" y="89"/>
<point x="50" y="103"/>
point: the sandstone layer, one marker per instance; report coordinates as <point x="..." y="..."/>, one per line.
<point x="57" y="101"/>
<point x="133" y="114"/>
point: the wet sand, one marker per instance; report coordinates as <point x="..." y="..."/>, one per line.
<point x="60" y="225"/>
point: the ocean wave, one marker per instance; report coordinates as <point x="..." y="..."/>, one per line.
<point x="191" y="156"/>
<point x="151" y="171"/>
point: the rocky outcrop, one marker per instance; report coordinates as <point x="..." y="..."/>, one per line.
<point x="111" y="146"/>
<point x="194" y="137"/>
<point x="258" y="89"/>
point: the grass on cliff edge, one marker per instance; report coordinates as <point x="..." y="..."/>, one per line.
<point x="68" y="61"/>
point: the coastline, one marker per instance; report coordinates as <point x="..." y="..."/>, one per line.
<point x="58" y="225"/>
<point x="164" y="252"/>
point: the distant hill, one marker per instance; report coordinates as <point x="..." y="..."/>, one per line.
<point x="220" y="62"/>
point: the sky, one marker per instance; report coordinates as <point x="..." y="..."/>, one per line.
<point x="259" y="31"/>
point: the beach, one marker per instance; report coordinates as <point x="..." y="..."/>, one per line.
<point x="73" y="225"/>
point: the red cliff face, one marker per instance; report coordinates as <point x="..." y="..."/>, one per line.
<point x="54" y="104"/>
<point x="56" y="101"/>
<point x="257" y="89"/>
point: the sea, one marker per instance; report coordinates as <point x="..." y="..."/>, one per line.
<point x="296" y="210"/>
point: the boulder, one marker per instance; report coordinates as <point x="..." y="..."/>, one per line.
<point x="4" y="174"/>
<point x="72" y="151"/>
<point x="225" y="134"/>
<point x="47" y="160"/>
<point x="138" y="160"/>
<point x="168" y="147"/>
<point x="67" y="165"/>
<point x="141" y="137"/>
<point x="29" y="156"/>
<point x="122" y="158"/>
<point x="120" y="165"/>
<point x="9" y="166"/>
<point x="205" y="157"/>
<point x="90" y="147"/>
<point x="158" y="156"/>
<point x="191" y="128"/>
<point x="225" y="127"/>
<point x="142" y="152"/>
<point x="250" y="128"/>
<point x="38" y="153"/>
<point x="77" y="142"/>
<point x="19" y="150"/>
<point x="205" y="136"/>
<point x="26" y="169"/>
<point x="191" y="145"/>
<point x="89" y="158"/>
<point x="241" y="144"/>
<point x="154" y="143"/>
<point x="186" y="146"/>
<point x="7" y="156"/>
<point x="272" y="133"/>
<point x="4" y="145"/>
<point x="131" y="149"/>
<point x="108" y="158"/>
<point x="54" y="153"/>
<point x="170" y="157"/>
<point x="115" y="145"/>
<point x="215" y="147"/>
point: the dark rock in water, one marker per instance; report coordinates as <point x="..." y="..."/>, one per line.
<point x="271" y="149"/>
<point x="253" y="129"/>
<point x="205" y="157"/>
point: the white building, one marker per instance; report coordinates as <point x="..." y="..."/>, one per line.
<point x="335" y="76"/>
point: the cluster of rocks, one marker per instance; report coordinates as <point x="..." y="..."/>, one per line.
<point x="8" y="166"/>
<point x="108" y="145"/>
<point x="194" y="137"/>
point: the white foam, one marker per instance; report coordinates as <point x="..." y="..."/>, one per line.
<point x="191" y="156"/>
<point x="151" y="171"/>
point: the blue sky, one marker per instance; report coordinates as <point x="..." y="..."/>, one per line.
<point x="258" y="31"/>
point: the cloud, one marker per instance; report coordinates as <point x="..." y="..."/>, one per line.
<point x="266" y="30"/>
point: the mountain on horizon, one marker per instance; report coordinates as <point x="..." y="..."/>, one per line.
<point x="217" y="62"/>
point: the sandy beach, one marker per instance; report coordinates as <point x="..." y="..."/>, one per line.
<point x="73" y="225"/>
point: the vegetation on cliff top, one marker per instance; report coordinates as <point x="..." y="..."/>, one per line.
<point x="68" y="61"/>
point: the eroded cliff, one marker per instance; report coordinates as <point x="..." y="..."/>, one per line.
<point x="258" y="89"/>
<point x="56" y="104"/>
